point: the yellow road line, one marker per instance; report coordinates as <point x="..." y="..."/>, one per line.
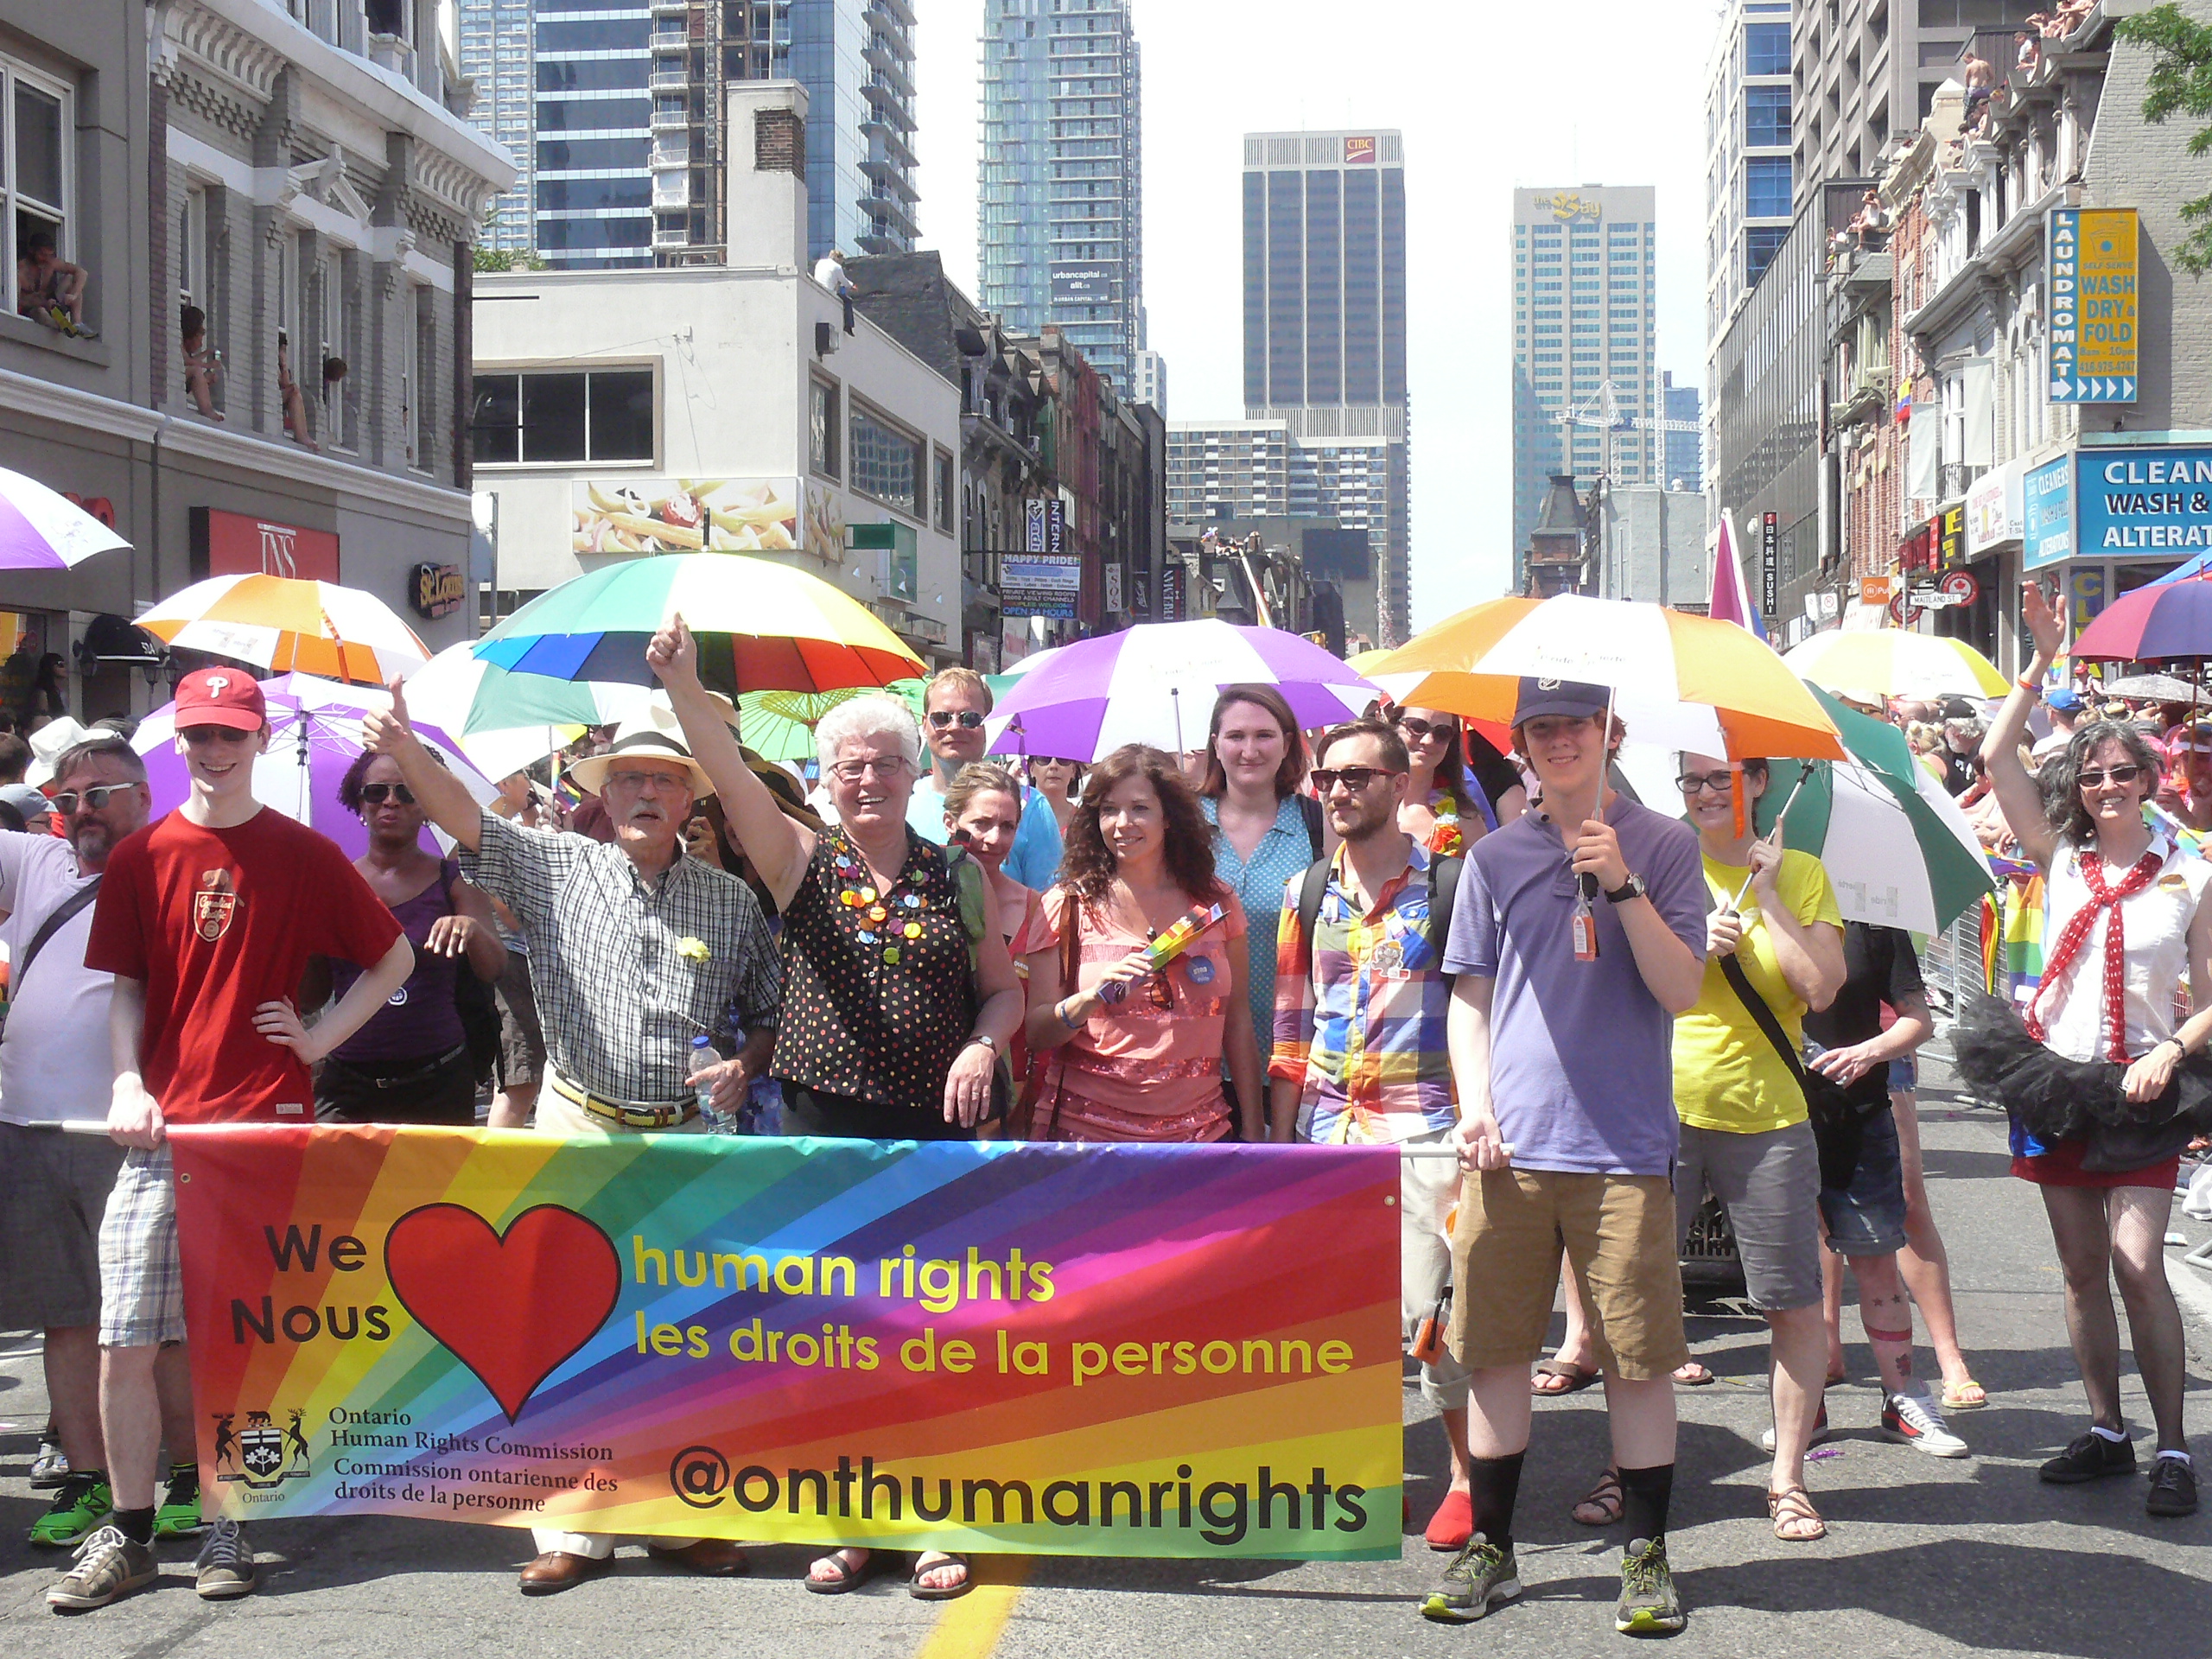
<point x="970" y="1627"/>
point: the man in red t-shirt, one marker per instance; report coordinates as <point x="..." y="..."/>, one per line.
<point x="206" y="919"/>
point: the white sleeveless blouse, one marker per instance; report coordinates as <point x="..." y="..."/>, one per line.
<point x="2155" y="972"/>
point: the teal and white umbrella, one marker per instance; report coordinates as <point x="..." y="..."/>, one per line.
<point x="1898" y="851"/>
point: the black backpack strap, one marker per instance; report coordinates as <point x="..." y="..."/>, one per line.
<point x="73" y="904"/>
<point x="1731" y="970"/>
<point x="1310" y="809"/>
<point x="1443" y="894"/>
<point x="1311" y="887"/>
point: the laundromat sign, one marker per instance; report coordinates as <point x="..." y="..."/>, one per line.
<point x="2144" y="501"/>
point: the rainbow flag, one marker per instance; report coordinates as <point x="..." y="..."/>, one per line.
<point x="1100" y="1350"/>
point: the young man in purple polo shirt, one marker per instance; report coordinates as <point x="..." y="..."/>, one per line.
<point x="1578" y="935"/>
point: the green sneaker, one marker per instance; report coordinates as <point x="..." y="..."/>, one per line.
<point x="1480" y="1574"/>
<point x="179" y="1514"/>
<point x="83" y="1503"/>
<point x="1649" y="1604"/>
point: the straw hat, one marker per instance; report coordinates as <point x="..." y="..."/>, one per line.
<point x="653" y="736"/>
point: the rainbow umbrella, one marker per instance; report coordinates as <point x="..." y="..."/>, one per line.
<point x="761" y="626"/>
<point x="289" y="625"/>
<point x="2163" y="622"/>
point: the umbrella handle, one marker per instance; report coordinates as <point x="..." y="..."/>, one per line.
<point x="1803" y="776"/>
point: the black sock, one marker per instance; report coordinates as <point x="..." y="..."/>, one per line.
<point x="137" y="1525"/>
<point x="1645" y="1494"/>
<point x="1496" y="1485"/>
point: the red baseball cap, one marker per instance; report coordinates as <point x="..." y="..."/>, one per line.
<point x="220" y="696"/>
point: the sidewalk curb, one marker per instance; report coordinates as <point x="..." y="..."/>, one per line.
<point x="2193" y="1290"/>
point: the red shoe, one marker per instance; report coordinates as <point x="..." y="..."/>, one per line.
<point x="1454" y="1523"/>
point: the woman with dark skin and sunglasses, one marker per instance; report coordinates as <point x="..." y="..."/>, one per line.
<point x="2101" y="1077"/>
<point x="409" y="1064"/>
<point x="1136" y="1053"/>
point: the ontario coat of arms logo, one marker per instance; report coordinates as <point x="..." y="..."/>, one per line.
<point x="261" y="1454"/>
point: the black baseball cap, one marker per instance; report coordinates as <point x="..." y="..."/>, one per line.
<point x="1571" y="698"/>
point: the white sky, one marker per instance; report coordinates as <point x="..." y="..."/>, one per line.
<point x="1491" y="98"/>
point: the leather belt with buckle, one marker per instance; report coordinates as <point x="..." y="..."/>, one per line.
<point x="629" y="1114"/>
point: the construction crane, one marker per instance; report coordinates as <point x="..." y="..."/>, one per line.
<point x="1602" y="410"/>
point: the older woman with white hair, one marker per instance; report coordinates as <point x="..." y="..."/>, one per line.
<point x="899" y="995"/>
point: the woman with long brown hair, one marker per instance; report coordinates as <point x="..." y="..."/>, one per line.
<point x="1137" y="1044"/>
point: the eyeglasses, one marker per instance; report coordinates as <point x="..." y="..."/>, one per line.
<point x="216" y="734"/>
<point x="882" y="765"/>
<point x="661" y="783"/>
<point x="2093" y="779"/>
<point x="967" y="719"/>
<point x="1354" y="778"/>
<point x="1719" y="782"/>
<point x="1418" y="729"/>
<point x="378" y="794"/>
<point x="93" y="799"/>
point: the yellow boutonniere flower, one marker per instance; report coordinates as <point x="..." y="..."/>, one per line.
<point x="693" y="949"/>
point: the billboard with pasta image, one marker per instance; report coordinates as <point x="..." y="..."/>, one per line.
<point x="686" y="515"/>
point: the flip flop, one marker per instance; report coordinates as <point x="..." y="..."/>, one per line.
<point x="1968" y="1395"/>
<point x="1576" y="1377"/>
<point x="849" y="1578"/>
<point x="1704" y="1374"/>
<point x="921" y="1591"/>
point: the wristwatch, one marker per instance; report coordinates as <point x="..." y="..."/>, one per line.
<point x="1631" y="888"/>
<point x="986" y="1040"/>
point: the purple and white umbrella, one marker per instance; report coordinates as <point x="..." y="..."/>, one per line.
<point x="1156" y="683"/>
<point x="43" y="529"/>
<point x="315" y="735"/>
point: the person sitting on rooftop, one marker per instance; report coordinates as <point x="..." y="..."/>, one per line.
<point x="202" y="367"/>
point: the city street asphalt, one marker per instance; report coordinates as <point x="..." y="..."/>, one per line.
<point x="1923" y="1556"/>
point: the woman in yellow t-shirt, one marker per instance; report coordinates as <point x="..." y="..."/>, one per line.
<point x="1743" y="1110"/>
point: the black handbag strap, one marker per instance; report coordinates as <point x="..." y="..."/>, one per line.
<point x="53" y="924"/>
<point x="1757" y="1007"/>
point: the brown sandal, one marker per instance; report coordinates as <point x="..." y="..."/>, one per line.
<point x="1605" y="1498"/>
<point x="1793" y="1508"/>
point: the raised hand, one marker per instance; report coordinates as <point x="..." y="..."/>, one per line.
<point x="2044" y="626"/>
<point x="674" y="654"/>
<point x="386" y="731"/>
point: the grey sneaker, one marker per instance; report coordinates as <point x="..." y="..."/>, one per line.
<point x="226" y="1563"/>
<point x="109" y="1567"/>
<point x="1480" y="1574"/>
<point x="1649" y="1604"/>
<point x="50" y="1468"/>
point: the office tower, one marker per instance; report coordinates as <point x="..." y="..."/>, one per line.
<point x="495" y="53"/>
<point x="1685" y="464"/>
<point x="1151" y="381"/>
<point x="630" y="114"/>
<point x="1325" y="323"/>
<point x="1749" y="171"/>
<point x="1059" y="227"/>
<point x="1869" y="72"/>
<point x="1586" y="385"/>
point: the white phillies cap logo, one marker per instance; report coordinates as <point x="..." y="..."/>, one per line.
<point x="216" y="684"/>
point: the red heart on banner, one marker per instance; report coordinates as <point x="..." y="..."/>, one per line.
<point x="513" y="1309"/>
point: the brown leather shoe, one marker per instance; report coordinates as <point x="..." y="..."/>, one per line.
<point x="713" y="1558"/>
<point x="557" y="1570"/>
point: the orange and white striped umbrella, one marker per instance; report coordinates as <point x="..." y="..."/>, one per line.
<point x="1680" y="681"/>
<point x="286" y="624"/>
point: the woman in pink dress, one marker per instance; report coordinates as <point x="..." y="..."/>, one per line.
<point x="1132" y="1051"/>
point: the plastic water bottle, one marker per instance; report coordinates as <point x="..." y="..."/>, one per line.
<point x="704" y="1054"/>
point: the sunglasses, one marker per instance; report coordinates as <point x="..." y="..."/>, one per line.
<point x="216" y="734"/>
<point x="1354" y="778"/>
<point x="93" y="799"/>
<point x="378" y="794"/>
<point x="1691" y="782"/>
<point x="966" y="719"/>
<point x="1417" y="729"/>
<point x="2093" y="779"/>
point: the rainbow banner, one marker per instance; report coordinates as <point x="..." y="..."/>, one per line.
<point x="1052" y="1350"/>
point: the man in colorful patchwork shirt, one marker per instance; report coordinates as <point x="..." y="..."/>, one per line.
<point x="1360" y="1052"/>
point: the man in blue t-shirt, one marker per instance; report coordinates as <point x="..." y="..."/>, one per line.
<point x="1577" y="934"/>
<point x="954" y="705"/>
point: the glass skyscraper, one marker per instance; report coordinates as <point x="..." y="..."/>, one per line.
<point x="495" y="53"/>
<point x="1325" y="327"/>
<point x="1585" y="270"/>
<point x="1059" y="227"/>
<point x="629" y="114"/>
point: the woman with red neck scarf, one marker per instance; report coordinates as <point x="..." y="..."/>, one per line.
<point x="2105" y="1081"/>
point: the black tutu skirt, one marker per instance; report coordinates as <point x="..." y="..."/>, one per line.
<point x="2058" y="1099"/>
